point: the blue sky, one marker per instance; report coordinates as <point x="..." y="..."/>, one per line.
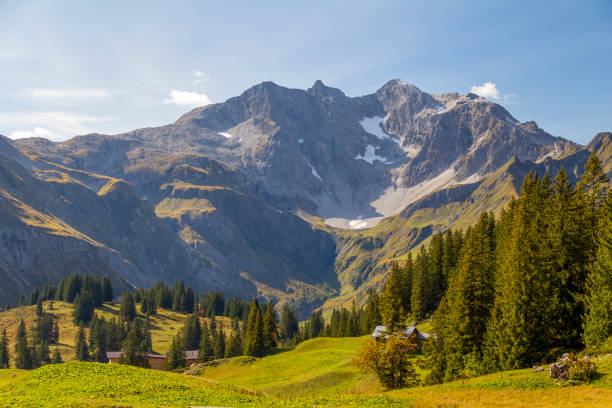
<point x="73" y="67"/>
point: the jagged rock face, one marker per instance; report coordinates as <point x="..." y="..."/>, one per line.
<point x="220" y="190"/>
<point x="330" y="155"/>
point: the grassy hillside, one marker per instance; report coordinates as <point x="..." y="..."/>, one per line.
<point x="164" y="325"/>
<point x="321" y="365"/>
<point x="318" y="372"/>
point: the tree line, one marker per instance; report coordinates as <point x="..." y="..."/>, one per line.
<point x="526" y="286"/>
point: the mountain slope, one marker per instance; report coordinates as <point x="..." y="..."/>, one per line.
<point x="296" y="195"/>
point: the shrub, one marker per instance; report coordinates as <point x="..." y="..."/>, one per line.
<point x="389" y="360"/>
<point x="583" y="370"/>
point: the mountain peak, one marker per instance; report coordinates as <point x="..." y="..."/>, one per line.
<point x="320" y="89"/>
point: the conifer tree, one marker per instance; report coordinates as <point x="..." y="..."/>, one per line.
<point x="23" y="358"/>
<point x="594" y="181"/>
<point x="418" y="303"/>
<point x="192" y="332"/>
<point x="39" y="307"/>
<point x="34" y="296"/>
<point x="270" y="327"/>
<point x="83" y="308"/>
<point x="176" y="354"/>
<point x="219" y="346"/>
<point x="206" y="352"/>
<point x="136" y="345"/>
<point x="517" y="335"/>
<point x="82" y="351"/>
<point x="288" y="323"/>
<point x="107" y="289"/>
<point x="598" y="320"/>
<point x="4" y="351"/>
<point x="127" y="310"/>
<point x="254" y="343"/>
<point x="393" y="314"/>
<point x="233" y="347"/>
<point x="468" y="302"/>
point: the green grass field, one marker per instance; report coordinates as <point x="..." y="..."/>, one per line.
<point x="317" y="373"/>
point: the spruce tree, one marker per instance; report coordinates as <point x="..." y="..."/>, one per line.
<point x="127" y="310"/>
<point x="206" y="352"/>
<point x="233" y="347"/>
<point x="598" y="319"/>
<point x="82" y="350"/>
<point x="270" y="327"/>
<point x="83" y="308"/>
<point x="176" y="355"/>
<point x="192" y="331"/>
<point x="107" y="289"/>
<point x="219" y="346"/>
<point x="288" y="323"/>
<point x="4" y="351"/>
<point x="393" y="314"/>
<point x="254" y="344"/>
<point x="23" y="359"/>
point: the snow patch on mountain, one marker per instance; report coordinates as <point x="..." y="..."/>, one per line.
<point x="314" y="171"/>
<point x="373" y="126"/>
<point x="370" y="155"/>
<point x="225" y="135"/>
<point x="359" y="223"/>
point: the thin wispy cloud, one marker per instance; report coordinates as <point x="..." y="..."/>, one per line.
<point x="187" y="98"/>
<point x="74" y="93"/>
<point x="489" y="90"/>
<point x="199" y="77"/>
<point x="54" y="126"/>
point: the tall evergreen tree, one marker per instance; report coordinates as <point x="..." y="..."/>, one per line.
<point x="219" y="346"/>
<point x="107" y="289"/>
<point x="598" y="319"/>
<point x="176" y="355"/>
<point x="270" y="327"/>
<point x="468" y="302"/>
<point x="234" y="346"/>
<point x="4" y="351"/>
<point x="23" y="358"/>
<point x="206" y="352"/>
<point x="393" y="314"/>
<point x="192" y="331"/>
<point x="288" y="323"/>
<point x="82" y="350"/>
<point x="127" y="310"/>
<point x="254" y="343"/>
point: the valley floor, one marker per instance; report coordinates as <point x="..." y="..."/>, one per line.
<point x="318" y="372"/>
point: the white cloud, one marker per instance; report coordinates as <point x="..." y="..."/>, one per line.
<point x="489" y="90"/>
<point x="67" y="93"/>
<point x="54" y="126"/>
<point x="186" y="98"/>
<point x="200" y="77"/>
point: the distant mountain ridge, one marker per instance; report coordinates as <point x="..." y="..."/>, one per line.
<point x="249" y="193"/>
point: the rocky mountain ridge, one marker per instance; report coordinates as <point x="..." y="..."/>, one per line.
<point x="269" y="192"/>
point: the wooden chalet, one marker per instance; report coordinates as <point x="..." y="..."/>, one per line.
<point x="409" y="333"/>
<point x="156" y="361"/>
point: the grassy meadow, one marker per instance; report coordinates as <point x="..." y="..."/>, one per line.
<point x="316" y="373"/>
